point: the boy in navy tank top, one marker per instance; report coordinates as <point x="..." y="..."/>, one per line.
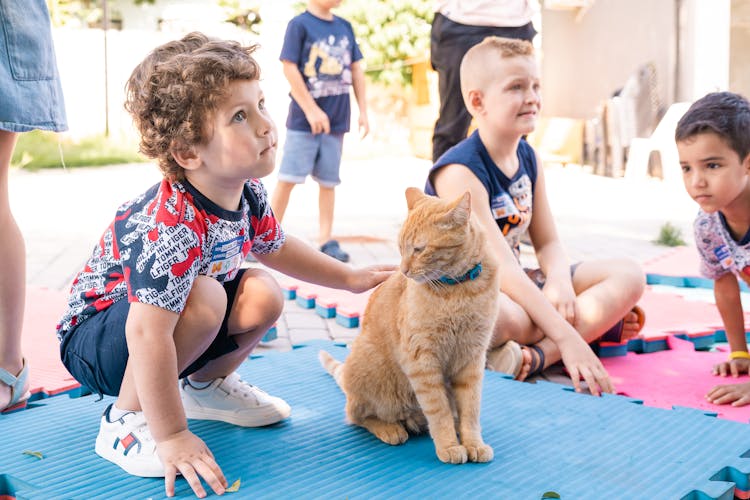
<point x="550" y="313"/>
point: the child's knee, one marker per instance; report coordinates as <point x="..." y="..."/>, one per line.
<point x="262" y="290"/>
<point x="634" y="279"/>
<point x="207" y="302"/>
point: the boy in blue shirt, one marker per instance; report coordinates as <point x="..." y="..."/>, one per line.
<point x="555" y="310"/>
<point x="321" y="61"/>
<point x="163" y="296"/>
<point x="713" y="142"/>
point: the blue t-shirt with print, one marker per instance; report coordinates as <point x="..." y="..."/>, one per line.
<point x="323" y="52"/>
<point x="511" y="198"/>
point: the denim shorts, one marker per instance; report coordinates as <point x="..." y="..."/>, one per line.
<point x="306" y="154"/>
<point x="96" y="351"/>
<point x="30" y="93"/>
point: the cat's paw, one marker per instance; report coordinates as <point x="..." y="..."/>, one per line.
<point x="480" y="453"/>
<point x="452" y="454"/>
<point x="392" y="434"/>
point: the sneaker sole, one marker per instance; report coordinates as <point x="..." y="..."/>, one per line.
<point x="105" y="450"/>
<point x="260" y="417"/>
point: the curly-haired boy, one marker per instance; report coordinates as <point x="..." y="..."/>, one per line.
<point x="163" y="296"/>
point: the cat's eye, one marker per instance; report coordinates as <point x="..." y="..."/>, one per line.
<point x="417" y="249"/>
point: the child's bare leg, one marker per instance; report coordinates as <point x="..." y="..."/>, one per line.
<point x="326" y="201"/>
<point x="12" y="274"/>
<point x="280" y="198"/>
<point x="257" y="305"/>
<point x="513" y="323"/>
<point x="196" y="329"/>
<point x="606" y="292"/>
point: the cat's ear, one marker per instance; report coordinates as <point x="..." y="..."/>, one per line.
<point x="412" y="196"/>
<point x="460" y="210"/>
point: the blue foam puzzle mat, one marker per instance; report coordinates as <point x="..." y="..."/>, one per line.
<point x="325" y="312"/>
<point x="546" y="438"/>
<point x="305" y="302"/>
<point x="347" y="321"/>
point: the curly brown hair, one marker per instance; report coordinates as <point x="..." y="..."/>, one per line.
<point x="173" y="92"/>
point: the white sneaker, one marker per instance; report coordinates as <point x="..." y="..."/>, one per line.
<point x="232" y="400"/>
<point x="127" y="442"/>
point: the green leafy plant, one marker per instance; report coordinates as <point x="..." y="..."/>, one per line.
<point x="36" y="150"/>
<point x="392" y="34"/>
<point x="670" y="236"/>
<point x="242" y="13"/>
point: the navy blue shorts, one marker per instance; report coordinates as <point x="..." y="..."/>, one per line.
<point x="96" y="351"/>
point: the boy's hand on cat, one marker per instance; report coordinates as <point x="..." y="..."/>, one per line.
<point x="365" y="278"/>
<point x="582" y="363"/>
<point x="735" y="367"/>
<point x="186" y="453"/>
<point x="563" y="298"/>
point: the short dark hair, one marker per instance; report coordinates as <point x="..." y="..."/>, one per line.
<point x="725" y="114"/>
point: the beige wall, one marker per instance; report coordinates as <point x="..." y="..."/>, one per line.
<point x="739" y="48"/>
<point x="586" y="58"/>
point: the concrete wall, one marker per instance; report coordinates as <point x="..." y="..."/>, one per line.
<point x="585" y="58"/>
<point x="80" y="57"/>
<point x="739" y="48"/>
<point x="704" y="48"/>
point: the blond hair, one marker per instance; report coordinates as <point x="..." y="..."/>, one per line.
<point x="174" y="91"/>
<point x="477" y="67"/>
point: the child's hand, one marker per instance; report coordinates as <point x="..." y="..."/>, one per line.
<point x="318" y="120"/>
<point x="735" y="367"/>
<point x="563" y="298"/>
<point x="363" y="279"/>
<point x="364" y="126"/>
<point x="187" y="453"/>
<point x="582" y="363"/>
<point x="737" y="394"/>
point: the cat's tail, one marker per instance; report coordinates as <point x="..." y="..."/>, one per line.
<point x="332" y="365"/>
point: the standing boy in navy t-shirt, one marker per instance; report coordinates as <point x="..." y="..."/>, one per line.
<point x="321" y="61"/>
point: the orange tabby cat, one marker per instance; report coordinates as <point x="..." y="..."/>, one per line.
<point x="419" y="360"/>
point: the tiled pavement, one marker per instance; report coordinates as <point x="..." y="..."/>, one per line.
<point x="62" y="214"/>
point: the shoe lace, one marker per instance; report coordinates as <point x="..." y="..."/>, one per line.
<point x="245" y="390"/>
<point x="140" y="427"/>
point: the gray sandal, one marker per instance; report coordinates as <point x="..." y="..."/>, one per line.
<point x="508" y="358"/>
<point x="18" y="384"/>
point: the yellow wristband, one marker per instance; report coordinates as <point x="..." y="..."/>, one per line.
<point x="739" y="355"/>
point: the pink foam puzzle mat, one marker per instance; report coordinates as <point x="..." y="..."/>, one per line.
<point x="670" y="314"/>
<point x="346" y="307"/>
<point x="48" y="376"/>
<point x="666" y="315"/>
<point x="679" y="266"/>
<point x="677" y="377"/>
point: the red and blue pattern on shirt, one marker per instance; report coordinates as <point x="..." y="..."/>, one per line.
<point x="162" y="240"/>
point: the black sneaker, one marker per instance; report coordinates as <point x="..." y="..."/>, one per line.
<point x="332" y="249"/>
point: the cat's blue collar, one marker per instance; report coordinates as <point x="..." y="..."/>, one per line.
<point x="471" y="274"/>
